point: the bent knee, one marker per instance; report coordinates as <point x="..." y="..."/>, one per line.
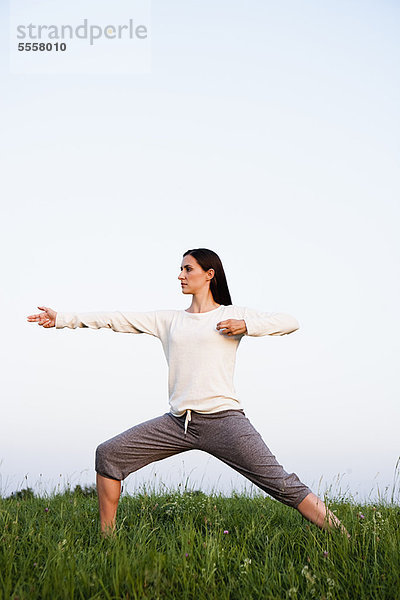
<point x="101" y="452"/>
<point x="102" y="461"/>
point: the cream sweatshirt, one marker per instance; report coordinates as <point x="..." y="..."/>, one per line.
<point x="201" y="359"/>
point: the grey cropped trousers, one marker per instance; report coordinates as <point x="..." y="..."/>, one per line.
<point x="227" y="435"/>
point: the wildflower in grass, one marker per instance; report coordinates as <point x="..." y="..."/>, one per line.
<point x="361" y="516"/>
<point x="308" y="575"/>
<point x="61" y="545"/>
<point x="292" y="593"/>
<point x="186" y="554"/>
<point x="244" y="567"/>
<point x="247" y="561"/>
<point x="35" y="564"/>
<point x="46" y="509"/>
<point x="226" y="531"/>
<point x="325" y="553"/>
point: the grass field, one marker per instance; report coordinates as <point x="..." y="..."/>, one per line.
<point x="190" y="545"/>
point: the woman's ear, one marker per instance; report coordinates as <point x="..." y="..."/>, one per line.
<point x="210" y="273"/>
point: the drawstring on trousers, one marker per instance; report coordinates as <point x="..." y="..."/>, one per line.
<point x="188" y="418"/>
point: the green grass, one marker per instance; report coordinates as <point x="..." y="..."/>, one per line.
<point x="173" y="545"/>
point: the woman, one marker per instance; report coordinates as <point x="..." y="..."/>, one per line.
<point x="200" y="345"/>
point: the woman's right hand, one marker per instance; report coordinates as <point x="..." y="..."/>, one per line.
<point x="46" y="319"/>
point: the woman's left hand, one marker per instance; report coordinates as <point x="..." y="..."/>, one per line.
<point x="232" y="326"/>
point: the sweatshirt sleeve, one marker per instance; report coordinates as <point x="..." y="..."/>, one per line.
<point x="268" y="323"/>
<point x="124" y="322"/>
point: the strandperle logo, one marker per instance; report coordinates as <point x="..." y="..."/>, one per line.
<point x="85" y="31"/>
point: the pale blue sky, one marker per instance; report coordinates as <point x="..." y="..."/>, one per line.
<point x="267" y="131"/>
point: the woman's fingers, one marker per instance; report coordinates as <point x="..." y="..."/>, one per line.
<point x="226" y="327"/>
<point x="232" y="326"/>
<point x="37" y="317"/>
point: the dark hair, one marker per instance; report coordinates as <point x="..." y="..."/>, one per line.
<point x="208" y="259"/>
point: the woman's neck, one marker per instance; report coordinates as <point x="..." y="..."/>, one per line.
<point x="202" y="303"/>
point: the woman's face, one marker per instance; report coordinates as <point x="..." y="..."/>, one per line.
<point x="192" y="277"/>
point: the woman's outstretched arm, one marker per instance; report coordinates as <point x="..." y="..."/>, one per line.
<point x="124" y="322"/>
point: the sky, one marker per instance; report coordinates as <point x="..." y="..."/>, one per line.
<point x="266" y="131"/>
